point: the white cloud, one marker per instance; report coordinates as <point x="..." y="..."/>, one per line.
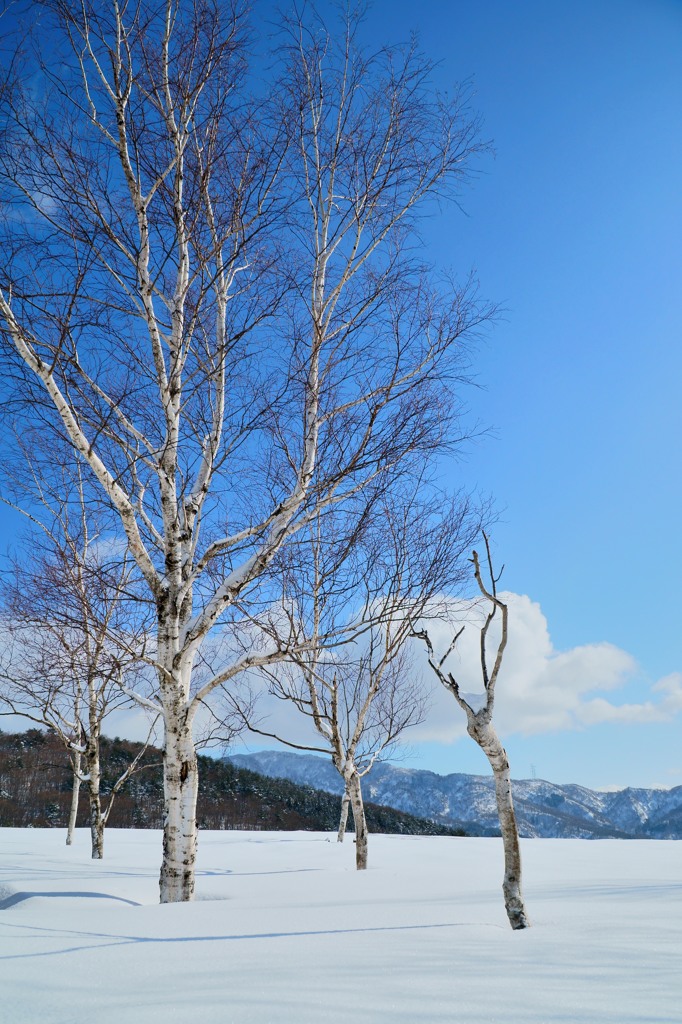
<point x="540" y="689"/>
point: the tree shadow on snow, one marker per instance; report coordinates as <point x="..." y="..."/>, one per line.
<point x="225" y="872"/>
<point x="125" y="940"/>
<point x="19" y="897"/>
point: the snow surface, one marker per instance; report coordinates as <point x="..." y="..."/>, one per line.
<point x="285" y="930"/>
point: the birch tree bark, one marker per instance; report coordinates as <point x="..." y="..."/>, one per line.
<point x="75" y="794"/>
<point x="485" y="735"/>
<point x="94" y="780"/>
<point x="343" y="820"/>
<point x="358" y="807"/>
<point x="213" y="296"/>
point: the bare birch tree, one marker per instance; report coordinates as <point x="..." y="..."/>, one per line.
<point x="68" y="640"/>
<point x="352" y="609"/>
<point x="218" y="301"/>
<point x="479" y="714"/>
<point x="358" y="707"/>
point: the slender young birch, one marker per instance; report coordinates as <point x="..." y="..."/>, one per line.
<point x="481" y="729"/>
<point x="68" y="639"/>
<point x="358" y="704"/>
<point x="215" y="297"/>
<point x="57" y="688"/>
<point x="352" y="607"/>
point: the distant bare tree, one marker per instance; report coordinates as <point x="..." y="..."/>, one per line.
<point x="480" y="727"/>
<point x="352" y="608"/>
<point x="358" y="705"/>
<point x="217" y="300"/>
<point x="68" y="641"/>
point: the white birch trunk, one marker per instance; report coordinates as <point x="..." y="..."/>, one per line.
<point x="180" y="787"/>
<point x="96" y="819"/>
<point x="483" y="732"/>
<point x="96" y="827"/>
<point x="75" y="793"/>
<point x="343" y="821"/>
<point x="94" y="767"/>
<point x="358" y="808"/>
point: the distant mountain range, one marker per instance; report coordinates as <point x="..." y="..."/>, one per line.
<point x="468" y="801"/>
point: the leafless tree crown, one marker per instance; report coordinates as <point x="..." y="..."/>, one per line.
<point x="215" y="294"/>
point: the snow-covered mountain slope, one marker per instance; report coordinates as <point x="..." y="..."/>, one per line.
<point x="543" y="808"/>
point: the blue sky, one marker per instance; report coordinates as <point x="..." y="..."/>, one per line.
<point x="574" y="227"/>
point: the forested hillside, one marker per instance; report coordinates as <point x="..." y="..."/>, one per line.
<point x="35" y="791"/>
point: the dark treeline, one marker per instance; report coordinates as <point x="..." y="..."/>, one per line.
<point x="36" y="783"/>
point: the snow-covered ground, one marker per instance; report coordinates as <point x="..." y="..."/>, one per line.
<point x="285" y="930"/>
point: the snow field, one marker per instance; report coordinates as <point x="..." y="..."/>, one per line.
<point x="285" y="930"/>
